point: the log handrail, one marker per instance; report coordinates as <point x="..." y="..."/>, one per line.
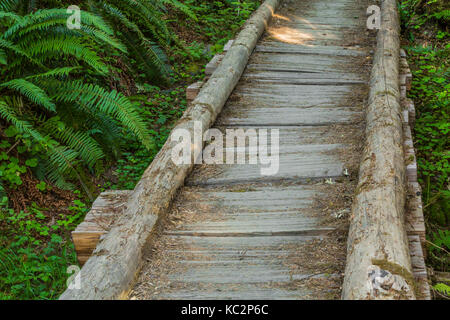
<point x="378" y="260"/>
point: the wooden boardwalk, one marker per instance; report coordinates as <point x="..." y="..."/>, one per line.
<point x="235" y="234"/>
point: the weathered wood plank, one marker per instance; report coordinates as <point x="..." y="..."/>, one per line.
<point x="282" y="116"/>
<point x="287" y="48"/>
<point x="236" y="266"/>
<point x="193" y="90"/>
<point x="419" y="268"/>
<point x="98" y="222"/>
<point x="302" y="78"/>
<point x="312" y="159"/>
<point x="253" y="211"/>
<point x="300" y="164"/>
<point x="213" y="64"/>
<point x="285" y="95"/>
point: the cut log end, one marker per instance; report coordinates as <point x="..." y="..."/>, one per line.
<point x="193" y="90"/>
<point x="98" y="222"/>
<point x="214" y="64"/>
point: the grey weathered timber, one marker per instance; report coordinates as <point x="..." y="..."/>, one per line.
<point x="414" y="219"/>
<point x="110" y="270"/>
<point x="263" y="210"/>
<point x="97" y="222"/>
<point x="291" y="116"/>
<point x="304" y="153"/>
<point x="334" y="51"/>
<point x="193" y="90"/>
<point x="296" y="162"/>
<point x="213" y="64"/>
<point x="245" y="246"/>
<point x="378" y="261"/>
<point x="233" y="233"/>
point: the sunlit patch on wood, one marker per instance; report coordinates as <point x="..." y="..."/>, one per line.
<point x="290" y="35"/>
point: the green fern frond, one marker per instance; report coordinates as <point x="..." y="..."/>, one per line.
<point x="39" y="20"/>
<point x="24" y="126"/>
<point x="112" y="103"/>
<point x="149" y="57"/>
<point x="42" y="20"/>
<point x="57" y="177"/>
<point x="61" y="159"/>
<point x="98" y="124"/>
<point x="106" y="132"/>
<point x="442" y="288"/>
<point x="57" y="72"/>
<point x="31" y="91"/>
<point x="18" y="51"/>
<point x="150" y="18"/>
<point x="36" y="26"/>
<point x="181" y="7"/>
<point x="3" y="57"/>
<point x="96" y="21"/>
<point x="8" y="5"/>
<point x="88" y="149"/>
<point x="10" y="15"/>
<point x="101" y="37"/>
<point x="60" y="45"/>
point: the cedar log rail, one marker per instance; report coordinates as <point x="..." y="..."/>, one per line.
<point x="377" y="241"/>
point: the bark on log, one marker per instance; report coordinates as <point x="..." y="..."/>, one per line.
<point x="378" y="260"/>
<point x="111" y="269"/>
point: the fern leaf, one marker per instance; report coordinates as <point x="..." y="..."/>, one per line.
<point x="442" y="288"/>
<point x="101" y="37"/>
<point x="8" y="5"/>
<point x="57" y="72"/>
<point x="58" y="45"/>
<point x="181" y="7"/>
<point x="45" y="19"/>
<point x="17" y="50"/>
<point x="3" y="58"/>
<point x="31" y="91"/>
<point x="112" y="103"/>
<point x="88" y="149"/>
<point x="10" y="15"/>
<point x="149" y="56"/>
<point x="62" y="160"/>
